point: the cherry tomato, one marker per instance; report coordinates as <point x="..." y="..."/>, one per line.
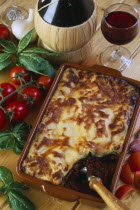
<point x="19" y="71"/>
<point x="4" y="32"/>
<point x="134" y="161"/>
<point x="137" y="179"/>
<point x="18" y="109"/>
<point x="7" y="89"/>
<point x="124" y="191"/>
<point x="34" y="95"/>
<point x="126" y="174"/>
<point x="3" y="119"/>
<point x="44" y="81"/>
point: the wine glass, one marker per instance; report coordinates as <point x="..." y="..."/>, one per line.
<point x="119" y="26"/>
<point x="13" y="13"/>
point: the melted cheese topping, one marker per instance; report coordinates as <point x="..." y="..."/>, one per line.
<point x="89" y="112"/>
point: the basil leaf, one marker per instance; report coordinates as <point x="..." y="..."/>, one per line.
<point x="17" y="148"/>
<point x="18" y="201"/>
<point x="25" y="40"/>
<point x="5" y="175"/>
<point x="5" y="63"/>
<point x="15" y="139"/>
<point x="4" y="56"/>
<point x="6" y="140"/>
<point x="3" y="189"/>
<point x="37" y="64"/>
<point x="9" y="47"/>
<point x="40" y="51"/>
<point x="13" y="186"/>
<point x="18" y="186"/>
<point x="21" y="131"/>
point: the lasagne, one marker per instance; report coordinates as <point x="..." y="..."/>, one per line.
<point x="88" y="113"/>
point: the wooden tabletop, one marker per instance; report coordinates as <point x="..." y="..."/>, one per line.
<point x="9" y="159"/>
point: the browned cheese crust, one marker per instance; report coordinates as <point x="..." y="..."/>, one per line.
<point x="89" y="112"/>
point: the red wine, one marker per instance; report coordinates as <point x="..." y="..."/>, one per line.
<point x="66" y="13"/>
<point x="119" y="27"/>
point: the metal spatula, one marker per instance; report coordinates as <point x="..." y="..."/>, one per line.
<point x="95" y="183"/>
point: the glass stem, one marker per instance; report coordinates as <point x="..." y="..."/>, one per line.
<point x="14" y="3"/>
<point x="116" y="53"/>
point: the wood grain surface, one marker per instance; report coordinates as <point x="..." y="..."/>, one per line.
<point x="9" y="159"/>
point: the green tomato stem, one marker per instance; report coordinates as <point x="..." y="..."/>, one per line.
<point x="2" y="108"/>
<point x="16" y="91"/>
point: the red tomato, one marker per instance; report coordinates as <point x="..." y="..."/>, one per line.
<point x="7" y="89"/>
<point x="18" y="72"/>
<point x="44" y="81"/>
<point x="3" y="119"/>
<point x="124" y="191"/>
<point x="34" y="95"/>
<point x="4" y="32"/>
<point x="137" y="179"/>
<point x="18" y="109"/>
<point x="134" y="161"/>
<point x="126" y="174"/>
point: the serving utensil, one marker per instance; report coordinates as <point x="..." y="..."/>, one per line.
<point x="95" y="183"/>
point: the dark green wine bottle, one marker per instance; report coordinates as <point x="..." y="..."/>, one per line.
<point x="66" y="13"/>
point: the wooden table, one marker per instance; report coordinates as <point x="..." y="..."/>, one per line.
<point x="9" y="159"/>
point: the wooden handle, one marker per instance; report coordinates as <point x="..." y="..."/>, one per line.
<point x="112" y="202"/>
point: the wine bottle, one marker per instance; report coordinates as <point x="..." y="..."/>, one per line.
<point x="66" y="13"/>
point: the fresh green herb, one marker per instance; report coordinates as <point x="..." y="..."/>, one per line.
<point x="40" y="51"/>
<point x="9" y="47"/>
<point x="15" y="138"/>
<point x="23" y="43"/>
<point x="4" y="56"/>
<point x="36" y="64"/>
<point x="6" y="140"/>
<point x="5" y="63"/>
<point x="16" y="200"/>
<point x="28" y="58"/>
<point x="5" y="176"/>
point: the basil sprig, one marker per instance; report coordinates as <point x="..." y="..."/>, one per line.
<point x="23" y="43"/>
<point x="15" y="138"/>
<point x="11" y="188"/>
<point x="9" y="47"/>
<point x="28" y="58"/>
<point x="5" y="63"/>
<point x="33" y="62"/>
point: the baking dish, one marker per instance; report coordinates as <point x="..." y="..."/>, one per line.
<point x="59" y="191"/>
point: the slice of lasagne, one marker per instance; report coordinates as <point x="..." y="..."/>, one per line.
<point x="88" y="113"/>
